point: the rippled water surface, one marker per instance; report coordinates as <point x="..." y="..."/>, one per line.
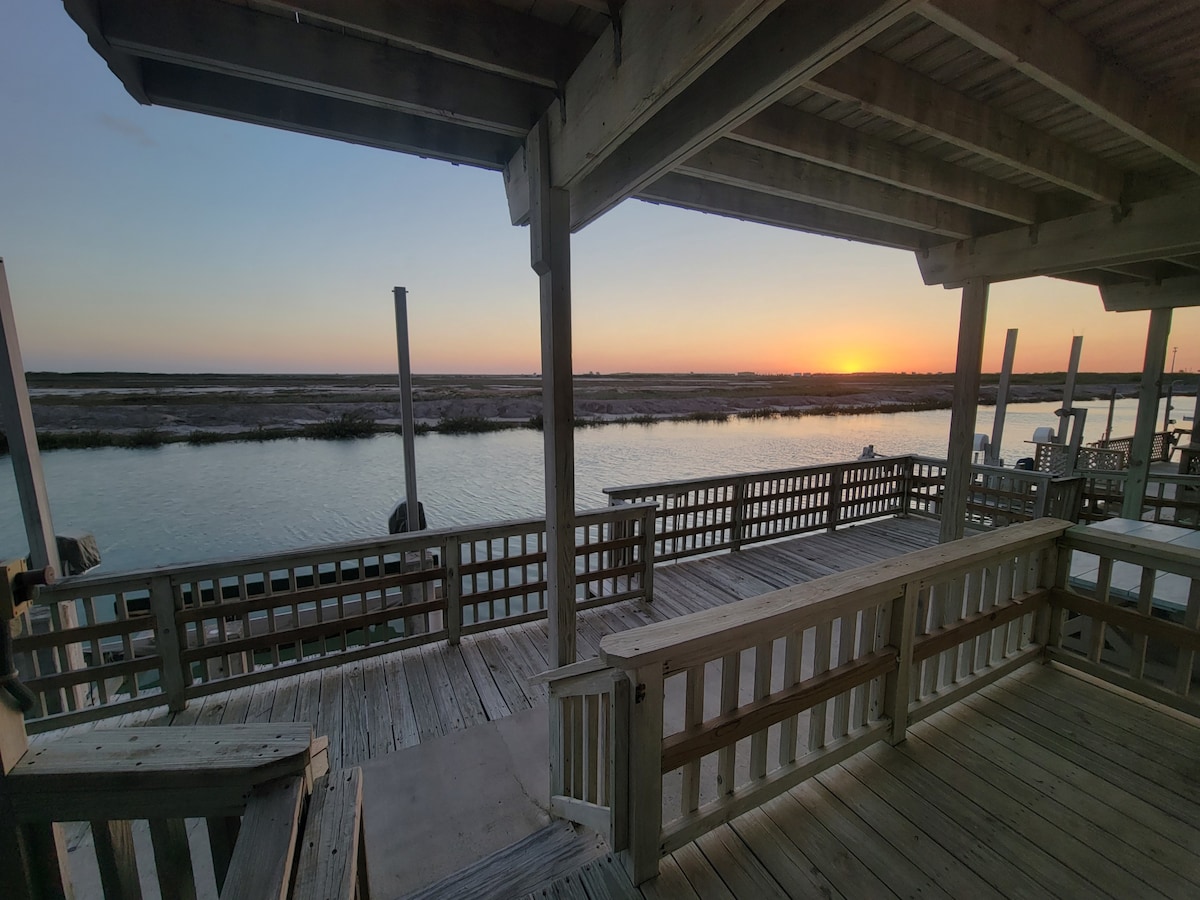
<point x="180" y="503"/>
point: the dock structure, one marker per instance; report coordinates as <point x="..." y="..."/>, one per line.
<point x="996" y="140"/>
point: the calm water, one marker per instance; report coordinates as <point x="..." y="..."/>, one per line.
<point x="181" y="503"/>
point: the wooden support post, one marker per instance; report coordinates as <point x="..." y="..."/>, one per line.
<point x="647" y="550"/>
<point x="971" y="325"/>
<point x="407" y="422"/>
<point x="452" y="560"/>
<point x="168" y="637"/>
<point x="550" y="240"/>
<point x="1010" y="353"/>
<point x="738" y="522"/>
<point x="1147" y="413"/>
<point x="645" y="774"/>
<point x="897" y="686"/>
<point x="835" y="498"/>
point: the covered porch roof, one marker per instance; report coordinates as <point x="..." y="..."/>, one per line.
<point x="996" y="138"/>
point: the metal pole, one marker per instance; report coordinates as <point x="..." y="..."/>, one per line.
<point x="1010" y="352"/>
<point x="406" y="411"/>
<point x="1069" y="389"/>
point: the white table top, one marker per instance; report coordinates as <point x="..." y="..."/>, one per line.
<point x="1170" y="590"/>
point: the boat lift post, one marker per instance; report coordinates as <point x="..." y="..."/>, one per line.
<point x="1064" y="414"/>
<point x="992" y="457"/>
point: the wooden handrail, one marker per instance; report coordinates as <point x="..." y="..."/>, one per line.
<point x="678" y="643"/>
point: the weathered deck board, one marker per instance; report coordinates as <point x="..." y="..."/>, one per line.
<point x="978" y="802"/>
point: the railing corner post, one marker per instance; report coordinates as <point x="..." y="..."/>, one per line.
<point x="645" y="773"/>
<point x="649" y="517"/>
<point x="898" y="685"/>
<point x="738" y="524"/>
<point x="169" y="640"/>
<point x="835" y="497"/>
<point x="452" y="586"/>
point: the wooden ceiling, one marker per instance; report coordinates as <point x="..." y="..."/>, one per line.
<point x="996" y="138"/>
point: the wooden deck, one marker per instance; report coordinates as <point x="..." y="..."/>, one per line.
<point x="1041" y="785"/>
<point x="380" y="705"/>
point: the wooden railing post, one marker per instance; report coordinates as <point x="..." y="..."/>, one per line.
<point x="649" y="517"/>
<point x="452" y="586"/>
<point x="835" y="497"/>
<point x="897" y="687"/>
<point x="618" y="764"/>
<point x="739" y="517"/>
<point x="168" y="638"/>
<point x="645" y="773"/>
<point x="906" y="486"/>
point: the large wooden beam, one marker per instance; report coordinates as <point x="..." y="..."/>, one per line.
<point x="550" y="257"/>
<point x="1167" y="294"/>
<point x="752" y="206"/>
<point x="741" y="165"/>
<point x="792" y="44"/>
<point x="785" y="129"/>
<point x="481" y="34"/>
<point x="972" y="324"/>
<point x="1149" y="229"/>
<point x="895" y="92"/>
<point x="260" y="46"/>
<point x="279" y="107"/>
<point x="1029" y="38"/>
<point x="1144" y="426"/>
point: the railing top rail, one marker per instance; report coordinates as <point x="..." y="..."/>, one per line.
<point x="67" y="588"/>
<point x="677" y="643"/>
<point x="685" y="483"/>
<point x="1161" y="556"/>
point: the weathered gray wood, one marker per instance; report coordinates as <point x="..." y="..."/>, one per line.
<point x="116" y="860"/>
<point x="1006" y="367"/>
<point x="1136" y="295"/>
<point x="328" y="867"/>
<point x="791" y="131"/>
<point x="972" y="325"/>
<point x="261" y="868"/>
<point x="550" y="256"/>
<point x="173" y="858"/>
<point x="1162" y="226"/>
<point x="895" y="92"/>
<point x="1147" y="413"/>
<point x="222" y="838"/>
<point x="407" y="420"/>
<point x="1032" y="40"/>
<point x="645" y="779"/>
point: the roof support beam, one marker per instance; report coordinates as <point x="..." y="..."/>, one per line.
<point x="741" y="165"/>
<point x="481" y="34"/>
<point x="752" y="206"/>
<point x="1027" y="37"/>
<point x="238" y="41"/>
<point x="330" y="117"/>
<point x="1166" y="294"/>
<point x="784" y="129"/>
<point x="792" y="44"/>
<point x="892" y="91"/>
<point x="1150" y="229"/>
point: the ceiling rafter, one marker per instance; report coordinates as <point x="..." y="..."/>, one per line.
<point x="478" y="33"/>
<point x="1026" y="36"/>
<point x="785" y="129"/>
<point x="300" y="111"/>
<point x="751" y="206"/>
<point x="745" y="166"/>
<point x="238" y="41"/>
<point x="790" y="45"/>
<point x="895" y="92"/>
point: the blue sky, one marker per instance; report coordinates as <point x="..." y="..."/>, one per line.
<point x="146" y="239"/>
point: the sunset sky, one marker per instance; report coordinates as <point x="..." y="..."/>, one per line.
<point x="145" y="239"/>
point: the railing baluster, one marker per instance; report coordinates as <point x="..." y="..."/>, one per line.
<point x="731" y="673"/>
<point x="793" y="657"/>
<point x="693" y="705"/>
<point x="762" y="688"/>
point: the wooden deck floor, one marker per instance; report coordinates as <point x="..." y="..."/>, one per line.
<point x="380" y="705"/>
<point x="1042" y="785"/>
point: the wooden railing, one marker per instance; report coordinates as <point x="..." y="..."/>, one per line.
<point x="1173" y="499"/>
<point x="171" y="634"/>
<point x="1130" y="614"/>
<point x="703" y="515"/>
<point x="995" y="496"/>
<point x="250" y="785"/>
<point x="732" y="706"/>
